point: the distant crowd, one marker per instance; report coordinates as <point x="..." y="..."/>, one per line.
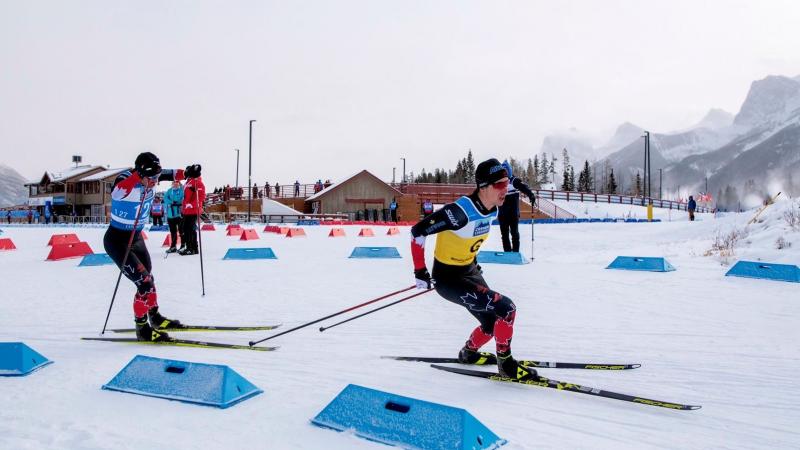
<point x="268" y="190"/>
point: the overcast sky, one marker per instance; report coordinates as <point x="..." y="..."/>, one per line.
<point x="339" y="86"/>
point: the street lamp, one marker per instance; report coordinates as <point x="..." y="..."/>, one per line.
<point x="250" y="172"/>
<point x="237" y="166"/>
<point x="404" y="170"/>
<point x="646" y="183"/>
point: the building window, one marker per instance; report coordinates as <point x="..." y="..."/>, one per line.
<point x="34" y="191"/>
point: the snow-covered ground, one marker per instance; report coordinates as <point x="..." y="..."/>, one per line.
<point x="728" y="344"/>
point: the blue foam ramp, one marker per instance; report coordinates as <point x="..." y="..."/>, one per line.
<point x="767" y="271"/>
<point x="488" y="257"/>
<point x="17" y="359"/>
<point x="203" y="384"/>
<point x="375" y="252"/>
<point x="649" y="264"/>
<point x="405" y="422"/>
<point x="159" y="227"/>
<point x="250" y="253"/>
<point x="96" y="259"/>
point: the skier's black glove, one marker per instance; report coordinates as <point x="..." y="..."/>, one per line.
<point x="423" y="279"/>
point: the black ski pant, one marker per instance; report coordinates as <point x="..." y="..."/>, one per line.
<point x="509" y="225"/>
<point x="190" y="232"/>
<point x="137" y="267"/>
<point x="175" y="229"/>
<point x="465" y="286"/>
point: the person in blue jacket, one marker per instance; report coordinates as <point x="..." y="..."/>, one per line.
<point x="691" y="207"/>
<point x="508" y="213"/>
<point x="173" y="199"/>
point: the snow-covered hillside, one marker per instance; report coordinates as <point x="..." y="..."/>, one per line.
<point x="728" y="344"/>
<point x="12" y="187"/>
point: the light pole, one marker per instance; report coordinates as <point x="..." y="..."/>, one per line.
<point x="646" y="183"/>
<point x="404" y="171"/>
<point x="659" y="184"/>
<point x="237" y="167"/>
<point x="250" y="173"/>
<point x="394" y="169"/>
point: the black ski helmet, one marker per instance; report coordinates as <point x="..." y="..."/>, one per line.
<point x="147" y="165"/>
<point x="488" y="172"/>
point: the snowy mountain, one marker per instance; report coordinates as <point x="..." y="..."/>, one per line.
<point x="769" y="102"/>
<point x="578" y="144"/>
<point x="626" y="134"/>
<point x="12" y="191"/>
<point x="715" y="119"/>
<point x="761" y="143"/>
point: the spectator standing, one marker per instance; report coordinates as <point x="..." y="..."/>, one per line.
<point x="267" y="190"/>
<point x="427" y="207"/>
<point x="157" y="212"/>
<point x="8" y="216"/>
<point x="393" y="210"/>
<point x="508" y="213"/>
<point x="277" y="189"/>
<point x="194" y="194"/>
<point x="30" y="216"/>
<point x="173" y="199"/>
<point x="296" y="188"/>
<point x="691" y="207"/>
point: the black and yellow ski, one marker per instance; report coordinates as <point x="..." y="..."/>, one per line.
<point x="182" y="343"/>
<point x="564" y="386"/>
<point x="490" y="359"/>
<point x="189" y="328"/>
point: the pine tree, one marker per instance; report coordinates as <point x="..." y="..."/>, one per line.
<point x="553" y="161"/>
<point x="565" y="182"/>
<point x="537" y="168"/>
<point x="544" y="174"/>
<point x="585" y="178"/>
<point x="458" y="175"/>
<point x="529" y="175"/>
<point x="469" y="168"/>
<point x="612" y="184"/>
<point x="637" y="190"/>
<point x="571" y="178"/>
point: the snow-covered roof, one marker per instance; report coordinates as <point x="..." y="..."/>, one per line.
<point x="104" y="174"/>
<point x="68" y="173"/>
<point x="269" y="206"/>
<point x="335" y="185"/>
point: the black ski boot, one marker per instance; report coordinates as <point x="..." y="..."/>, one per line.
<point x="507" y="366"/>
<point x="144" y="332"/>
<point x="469" y="356"/>
<point x="172" y="250"/>
<point x="160" y="322"/>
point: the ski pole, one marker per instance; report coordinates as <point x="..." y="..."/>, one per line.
<point x="252" y="343"/>
<point x="125" y="258"/>
<point x="321" y="329"/>
<point x="200" y="245"/>
<point x="532" y="220"/>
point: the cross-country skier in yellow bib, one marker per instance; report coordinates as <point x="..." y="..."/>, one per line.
<point x="462" y="227"/>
